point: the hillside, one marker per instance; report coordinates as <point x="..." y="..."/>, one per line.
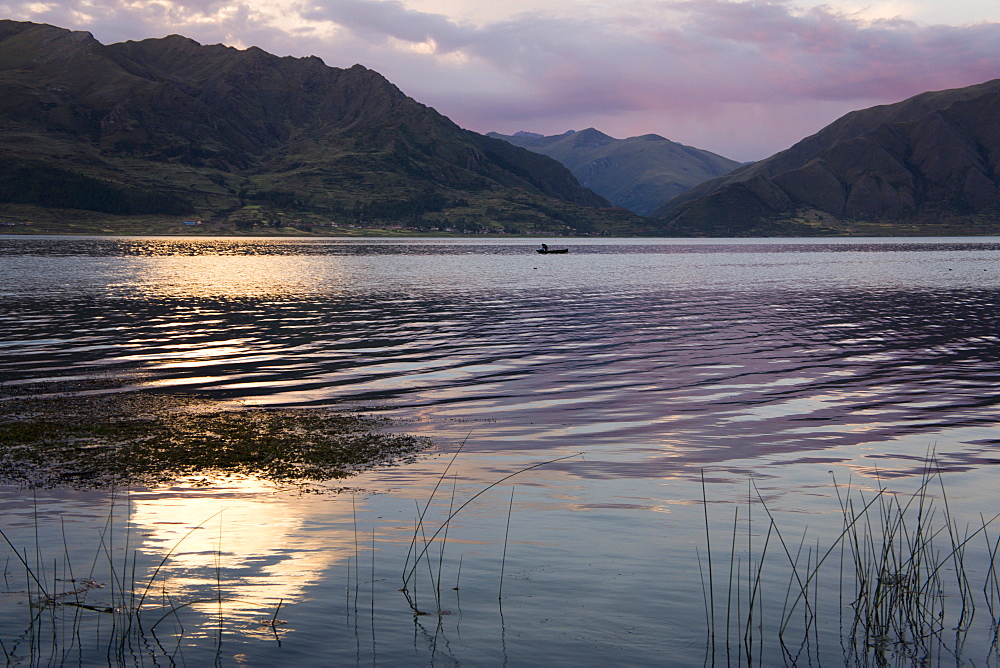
<point x="927" y="165"/>
<point x="166" y="130"/>
<point x="638" y="173"/>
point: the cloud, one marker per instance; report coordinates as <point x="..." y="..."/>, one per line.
<point x="378" y="21"/>
<point x="676" y="65"/>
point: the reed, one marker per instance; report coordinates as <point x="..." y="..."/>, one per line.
<point x="68" y="610"/>
<point x="506" y="537"/>
<point x="904" y="585"/>
<point x="126" y="600"/>
<point x="410" y="569"/>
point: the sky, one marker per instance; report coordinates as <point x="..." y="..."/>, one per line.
<point x="744" y="79"/>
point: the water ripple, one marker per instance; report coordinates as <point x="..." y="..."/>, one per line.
<point x="715" y="370"/>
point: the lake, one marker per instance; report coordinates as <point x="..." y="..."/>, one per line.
<point x="830" y="404"/>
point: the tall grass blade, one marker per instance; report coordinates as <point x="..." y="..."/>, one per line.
<point x="167" y="556"/>
<point x="506" y="536"/>
<point x="427" y="504"/>
<point x="708" y="550"/>
<point x="475" y="496"/>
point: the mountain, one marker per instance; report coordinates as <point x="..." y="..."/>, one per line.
<point x="638" y="173"/>
<point x="926" y="165"/>
<point x="169" y="129"/>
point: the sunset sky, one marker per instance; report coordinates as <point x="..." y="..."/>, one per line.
<point x="743" y="79"/>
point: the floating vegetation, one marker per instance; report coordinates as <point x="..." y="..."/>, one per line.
<point x="127" y="438"/>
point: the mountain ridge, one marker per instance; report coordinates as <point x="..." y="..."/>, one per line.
<point x="637" y="173"/>
<point x="930" y="162"/>
<point x="246" y="138"/>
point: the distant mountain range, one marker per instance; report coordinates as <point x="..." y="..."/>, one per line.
<point x="141" y="136"/>
<point x="170" y="129"/>
<point x="638" y="173"/>
<point x="927" y="165"/>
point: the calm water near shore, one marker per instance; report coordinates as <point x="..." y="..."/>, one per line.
<point x="772" y="367"/>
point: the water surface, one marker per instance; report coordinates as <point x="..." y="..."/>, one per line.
<point x="645" y="362"/>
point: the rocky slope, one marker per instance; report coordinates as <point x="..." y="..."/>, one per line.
<point x="170" y="128"/>
<point x="638" y="173"/>
<point x="929" y="164"/>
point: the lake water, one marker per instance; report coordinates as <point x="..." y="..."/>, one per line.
<point x="777" y="371"/>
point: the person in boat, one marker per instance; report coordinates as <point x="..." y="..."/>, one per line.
<point x="545" y="248"/>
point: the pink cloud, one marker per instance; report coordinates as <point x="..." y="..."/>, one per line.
<point x="746" y="77"/>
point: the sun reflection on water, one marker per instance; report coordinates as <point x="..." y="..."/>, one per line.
<point x="231" y="276"/>
<point x="259" y="544"/>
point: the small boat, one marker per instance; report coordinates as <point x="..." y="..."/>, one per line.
<point x="545" y="250"/>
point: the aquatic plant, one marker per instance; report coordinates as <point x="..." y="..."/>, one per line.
<point x="419" y="534"/>
<point x="105" y="602"/>
<point x="897" y="582"/>
<point x="91" y="436"/>
<point x="140" y="608"/>
<point x="128" y="438"/>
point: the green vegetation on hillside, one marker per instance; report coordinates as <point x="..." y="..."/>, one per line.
<point x="927" y="165"/>
<point x="145" y="136"/>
